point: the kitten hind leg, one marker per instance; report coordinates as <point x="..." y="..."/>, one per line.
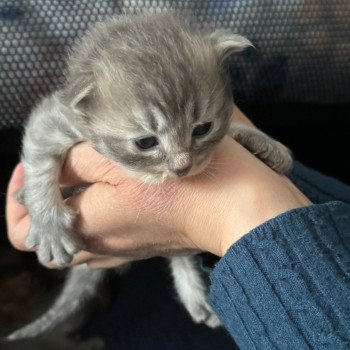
<point x="192" y="291"/>
<point x="271" y="152"/>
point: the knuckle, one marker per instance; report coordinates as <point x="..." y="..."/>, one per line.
<point x="51" y="266"/>
<point x="94" y="265"/>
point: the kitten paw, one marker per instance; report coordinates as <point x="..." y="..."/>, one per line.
<point x="277" y="156"/>
<point x="213" y="321"/>
<point x="201" y="312"/>
<point x="53" y="244"/>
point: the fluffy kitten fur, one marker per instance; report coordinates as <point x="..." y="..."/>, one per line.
<point x="129" y="78"/>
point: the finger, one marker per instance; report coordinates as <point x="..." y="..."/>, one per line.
<point x="81" y="257"/>
<point x="108" y="262"/>
<point x="84" y="165"/>
<point x="239" y="116"/>
<point x="17" y="217"/>
<point x="91" y="207"/>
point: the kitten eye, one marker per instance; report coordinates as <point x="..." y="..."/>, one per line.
<point x="146" y="142"/>
<point x="201" y="130"/>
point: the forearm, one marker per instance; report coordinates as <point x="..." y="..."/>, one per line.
<point x="286" y="283"/>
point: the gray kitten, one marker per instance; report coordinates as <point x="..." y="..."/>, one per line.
<point x="149" y="93"/>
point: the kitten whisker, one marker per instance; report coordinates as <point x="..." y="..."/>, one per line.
<point x="216" y="163"/>
<point x="209" y="174"/>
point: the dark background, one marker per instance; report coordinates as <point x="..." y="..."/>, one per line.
<point x="294" y="85"/>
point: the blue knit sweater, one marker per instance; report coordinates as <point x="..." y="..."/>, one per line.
<point x="286" y="284"/>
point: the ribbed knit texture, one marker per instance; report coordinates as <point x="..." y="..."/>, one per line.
<point x="319" y="188"/>
<point x="286" y="284"/>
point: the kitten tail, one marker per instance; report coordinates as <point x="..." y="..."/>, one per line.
<point x="81" y="285"/>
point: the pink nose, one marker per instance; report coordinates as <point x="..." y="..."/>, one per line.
<point x="180" y="164"/>
<point x="183" y="171"/>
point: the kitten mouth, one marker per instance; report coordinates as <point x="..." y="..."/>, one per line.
<point x="160" y="177"/>
<point x="200" y="168"/>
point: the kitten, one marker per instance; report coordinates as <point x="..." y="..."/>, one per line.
<point x="149" y="93"/>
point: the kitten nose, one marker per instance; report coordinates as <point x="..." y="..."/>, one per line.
<point x="183" y="171"/>
<point x="180" y="164"/>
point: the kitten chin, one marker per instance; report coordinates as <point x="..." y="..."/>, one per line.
<point x="165" y="175"/>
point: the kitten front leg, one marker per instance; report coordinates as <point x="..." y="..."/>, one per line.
<point x="271" y="152"/>
<point x="51" y="221"/>
<point x="48" y="136"/>
<point x="192" y="291"/>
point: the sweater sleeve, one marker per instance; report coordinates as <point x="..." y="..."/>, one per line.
<point x="286" y="284"/>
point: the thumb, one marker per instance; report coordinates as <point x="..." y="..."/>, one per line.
<point x="102" y="217"/>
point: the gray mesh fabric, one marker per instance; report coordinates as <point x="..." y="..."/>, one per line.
<point x="302" y="46"/>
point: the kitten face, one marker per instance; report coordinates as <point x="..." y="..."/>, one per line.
<point x="153" y="94"/>
<point x="156" y="150"/>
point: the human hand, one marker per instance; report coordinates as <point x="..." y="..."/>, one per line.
<point x="121" y="219"/>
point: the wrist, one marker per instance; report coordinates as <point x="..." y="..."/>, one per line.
<point x="263" y="203"/>
<point x="217" y="217"/>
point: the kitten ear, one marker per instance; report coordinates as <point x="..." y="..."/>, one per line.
<point x="226" y="43"/>
<point x="82" y="96"/>
<point x="77" y="94"/>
